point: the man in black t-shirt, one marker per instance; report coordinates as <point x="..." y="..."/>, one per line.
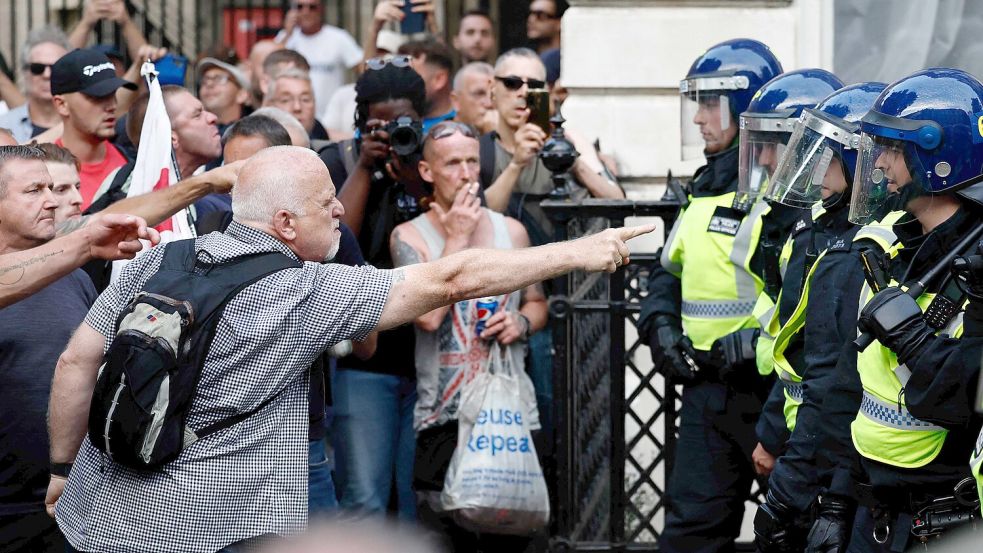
<point x="33" y="333"/>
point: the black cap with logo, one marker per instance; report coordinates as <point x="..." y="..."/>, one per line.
<point x="87" y="71"/>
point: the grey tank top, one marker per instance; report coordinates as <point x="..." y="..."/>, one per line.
<point x="448" y="359"/>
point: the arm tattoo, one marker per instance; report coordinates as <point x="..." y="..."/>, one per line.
<point x="24" y="264"/>
<point x="72" y="225"/>
<point x="403" y="254"/>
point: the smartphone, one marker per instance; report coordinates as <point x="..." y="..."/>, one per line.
<point x="414" y="22"/>
<point x="538" y="102"/>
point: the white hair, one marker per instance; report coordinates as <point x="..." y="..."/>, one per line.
<point x="289" y="122"/>
<point x="269" y="182"/>
<point x="287" y="73"/>
<point x="479" y="67"/>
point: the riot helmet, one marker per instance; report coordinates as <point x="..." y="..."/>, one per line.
<point x="767" y="124"/>
<point x="717" y="88"/>
<point x="923" y="136"/>
<point x="821" y="155"/>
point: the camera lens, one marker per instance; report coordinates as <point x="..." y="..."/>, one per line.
<point x="405" y="136"/>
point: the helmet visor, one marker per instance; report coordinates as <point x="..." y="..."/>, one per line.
<point x="886" y="179"/>
<point x="705" y="118"/>
<point x="811" y="168"/>
<point x="762" y="147"/>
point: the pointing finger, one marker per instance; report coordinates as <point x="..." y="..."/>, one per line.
<point x="627" y="233"/>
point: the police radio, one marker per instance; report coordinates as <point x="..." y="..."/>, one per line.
<point x="919" y="286"/>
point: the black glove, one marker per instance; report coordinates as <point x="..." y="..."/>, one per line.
<point x="778" y="528"/>
<point x="672" y="352"/>
<point x="734" y="352"/>
<point x="969" y="270"/>
<point x="896" y="321"/>
<point x="831" y="531"/>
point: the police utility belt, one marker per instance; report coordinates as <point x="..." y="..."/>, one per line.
<point x="930" y="517"/>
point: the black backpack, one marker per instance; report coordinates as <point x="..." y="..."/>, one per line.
<point x="149" y="375"/>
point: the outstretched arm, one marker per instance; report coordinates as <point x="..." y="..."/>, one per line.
<point x="106" y="236"/>
<point x="475" y="273"/>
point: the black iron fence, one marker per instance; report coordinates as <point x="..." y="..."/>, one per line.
<point x="616" y="422"/>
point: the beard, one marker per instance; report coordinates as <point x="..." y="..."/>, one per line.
<point x="333" y="251"/>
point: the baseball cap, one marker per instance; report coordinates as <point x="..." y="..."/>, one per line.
<point x="87" y="71"/>
<point x="207" y="63"/>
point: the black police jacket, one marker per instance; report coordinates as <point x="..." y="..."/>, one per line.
<point x="935" y="393"/>
<point x="808" y="238"/>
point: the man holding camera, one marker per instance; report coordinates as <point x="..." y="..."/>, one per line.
<point x="374" y="398"/>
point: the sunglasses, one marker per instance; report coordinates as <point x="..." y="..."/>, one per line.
<point x="541" y="15"/>
<point x="376" y="64"/>
<point x="37" y="68"/>
<point x="515" y="83"/>
<point x="449" y="128"/>
<point x="302" y="7"/>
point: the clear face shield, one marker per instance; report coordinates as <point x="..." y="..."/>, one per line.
<point x="763" y="140"/>
<point x="810" y="169"/>
<point x="887" y="179"/>
<point x="705" y="114"/>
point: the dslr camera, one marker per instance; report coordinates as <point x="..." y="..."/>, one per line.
<point x="405" y="138"/>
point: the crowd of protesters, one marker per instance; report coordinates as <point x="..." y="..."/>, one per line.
<point x="382" y="409"/>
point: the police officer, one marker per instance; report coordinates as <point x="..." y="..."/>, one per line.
<point x="911" y="425"/>
<point x="815" y="172"/>
<point x="766" y="126"/>
<point x="704" y="284"/>
<point x="971" y="276"/>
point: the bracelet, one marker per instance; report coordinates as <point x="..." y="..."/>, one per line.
<point x="524" y="334"/>
<point x="61" y="469"/>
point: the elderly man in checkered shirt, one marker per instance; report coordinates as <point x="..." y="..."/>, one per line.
<point x="250" y="480"/>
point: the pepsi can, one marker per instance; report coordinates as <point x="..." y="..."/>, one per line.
<point x="486" y="307"/>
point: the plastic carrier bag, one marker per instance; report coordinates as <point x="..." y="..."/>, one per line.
<point x="494" y="483"/>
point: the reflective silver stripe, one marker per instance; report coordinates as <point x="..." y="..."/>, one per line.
<point x="765" y="318"/>
<point x="717" y="309"/>
<point x="741" y="252"/>
<point x="875" y="232"/>
<point x="667" y="263"/>
<point x="892" y="415"/>
<point x="109" y="415"/>
<point x="793" y="389"/>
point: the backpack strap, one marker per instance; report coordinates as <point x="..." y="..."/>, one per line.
<point x="486" y="158"/>
<point x="237" y="274"/>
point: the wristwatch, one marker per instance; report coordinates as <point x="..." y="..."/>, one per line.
<point x="61" y="469"/>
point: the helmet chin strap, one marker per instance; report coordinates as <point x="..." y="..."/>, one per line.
<point x="835" y="202"/>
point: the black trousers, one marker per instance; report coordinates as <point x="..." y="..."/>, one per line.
<point x="712" y="472"/>
<point x="30" y="533"/>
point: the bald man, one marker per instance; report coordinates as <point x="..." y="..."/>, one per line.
<point x="254" y="69"/>
<point x="257" y="365"/>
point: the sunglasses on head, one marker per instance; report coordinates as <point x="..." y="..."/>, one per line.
<point x="37" y="68"/>
<point x="376" y="64"/>
<point x="515" y="83"/>
<point x="448" y="128"/>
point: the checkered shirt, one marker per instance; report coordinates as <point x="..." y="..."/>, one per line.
<point x="249" y="479"/>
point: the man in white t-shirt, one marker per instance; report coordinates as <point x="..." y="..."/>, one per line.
<point x="329" y="50"/>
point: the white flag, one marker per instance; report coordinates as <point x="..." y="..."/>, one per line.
<point x="155" y="168"/>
